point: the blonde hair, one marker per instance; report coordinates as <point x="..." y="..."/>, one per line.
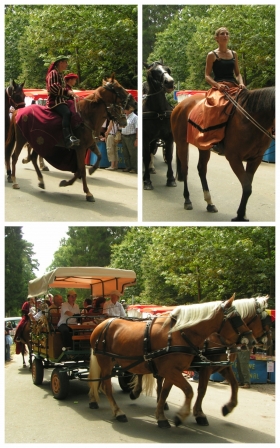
<point x="217" y="32"/>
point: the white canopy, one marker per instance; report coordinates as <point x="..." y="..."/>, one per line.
<point x="100" y="281"/>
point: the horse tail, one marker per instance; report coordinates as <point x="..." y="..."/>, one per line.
<point x="94" y="372"/>
<point x="11" y="138"/>
<point x="179" y="173"/>
<point x="148" y="384"/>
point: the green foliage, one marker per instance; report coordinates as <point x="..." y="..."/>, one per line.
<point x="99" y="39"/>
<point x="189" y="36"/>
<point x="19" y="269"/>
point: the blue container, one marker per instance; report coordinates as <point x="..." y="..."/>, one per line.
<point x="258" y="372"/>
<point x="269" y="155"/>
<point x="93" y="158"/>
<point x="104" y="162"/>
<point x="121" y="163"/>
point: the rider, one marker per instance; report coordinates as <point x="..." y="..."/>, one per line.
<point x="70" y="79"/>
<point x="223" y="62"/>
<point x="58" y="95"/>
<point x="25" y="310"/>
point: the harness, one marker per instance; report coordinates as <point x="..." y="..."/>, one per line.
<point x="11" y="100"/>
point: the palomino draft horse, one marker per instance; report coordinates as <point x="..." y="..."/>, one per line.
<point x="156" y="119"/>
<point x="14" y="98"/>
<point x="165" y="346"/>
<point x="248" y="134"/>
<point x="106" y="102"/>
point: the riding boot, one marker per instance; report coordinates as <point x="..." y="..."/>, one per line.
<point x="69" y="139"/>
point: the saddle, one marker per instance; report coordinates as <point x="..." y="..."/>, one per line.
<point x="42" y="128"/>
<point x="207" y="120"/>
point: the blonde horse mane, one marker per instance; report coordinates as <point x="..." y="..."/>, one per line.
<point x="189" y="315"/>
<point x="247" y="307"/>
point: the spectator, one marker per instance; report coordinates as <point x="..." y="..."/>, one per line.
<point x="8" y="342"/>
<point x="130" y="141"/>
<point x="112" y="145"/>
<point x="68" y="309"/>
<point x="113" y="307"/>
<point x="243" y="370"/>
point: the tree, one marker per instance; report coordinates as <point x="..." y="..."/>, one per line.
<point x="19" y="269"/>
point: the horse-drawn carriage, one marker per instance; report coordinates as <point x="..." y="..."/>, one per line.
<point x="47" y="351"/>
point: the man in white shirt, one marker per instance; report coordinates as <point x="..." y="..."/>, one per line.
<point x="68" y="309"/>
<point x="112" y="307"/>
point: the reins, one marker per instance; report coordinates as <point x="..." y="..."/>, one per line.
<point x="248" y="116"/>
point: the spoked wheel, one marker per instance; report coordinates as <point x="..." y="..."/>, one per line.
<point x="37" y="371"/>
<point x="59" y="384"/>
<point x="125" y="380"/>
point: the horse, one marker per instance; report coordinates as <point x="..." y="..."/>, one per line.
<point x="156" y="119"/>
<point x="248" y="134"/>
<point x="24" y="340"/>
<point x="107" y="101"/>
<point x="155" y="346"/>
<point x="14" y="99"/>
<point x="252" y="311"/>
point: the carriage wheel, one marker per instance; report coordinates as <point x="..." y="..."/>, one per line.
<point x="125" y="380"/>
<point x="37" y="370"/>
<point x="59" y="384"/>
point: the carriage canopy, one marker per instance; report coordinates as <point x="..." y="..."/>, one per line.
<point x="101" y="281"/>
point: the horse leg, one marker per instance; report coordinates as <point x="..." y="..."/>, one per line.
<point x="81" y="173"/>
<point x="95" y="150"/>
<point x="28" y="158"/>
<point x="159" y="389"/>
<point x="43" y="167"/>
<point x="246" y="179"/>
<point x="182" y="159"/>
<point x="164" y="387"/>
<point x="228" y="374"/>
<point x="146" y="162"/>
<point x="34" y="157"/>
<point x="204" y="375"/>
<point x="137" y="387"/>
<point x="203" y="160"/>
<point x="169" y="156"/>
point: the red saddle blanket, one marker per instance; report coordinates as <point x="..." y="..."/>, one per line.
<point x="207" y="120"/>
<point x="43" y="130"/>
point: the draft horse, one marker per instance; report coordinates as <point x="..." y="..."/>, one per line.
<point x="248" y="134"/>
<point x="107" y="101"/>
<point x="156" y="119"/>
<point x="14" y="99"/>
<point x="165" y="346"/>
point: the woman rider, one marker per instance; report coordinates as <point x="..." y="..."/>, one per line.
<point x="58" y="95"/>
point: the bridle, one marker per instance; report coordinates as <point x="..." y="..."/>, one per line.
<point x="12" y="102"/>
<point x="160" y="81"/>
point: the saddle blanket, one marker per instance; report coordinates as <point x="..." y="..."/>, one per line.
<point x="207" y="120"/>
<point x="43" y="130"/>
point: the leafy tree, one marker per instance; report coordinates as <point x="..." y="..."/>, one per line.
<point x="19" y="269"/>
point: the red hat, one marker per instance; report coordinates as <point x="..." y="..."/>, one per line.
<point x="70" y="76"/>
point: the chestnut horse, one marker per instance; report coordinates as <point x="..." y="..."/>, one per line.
<point x="156" y="119"/>
<point x="107" y="101"/>
<point x="14" y="99"/>
<point x="248" y="134"/>
<point x="155" y="346"/>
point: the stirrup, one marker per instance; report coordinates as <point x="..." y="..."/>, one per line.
<point x="71" y="141"/>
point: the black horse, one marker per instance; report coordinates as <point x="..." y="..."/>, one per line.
<point x="14" y="99"/>
<point x="156" y="119"/>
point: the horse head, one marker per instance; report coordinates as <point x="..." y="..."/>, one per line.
<point x="159" y="75"/>
<point x="15" y="94"/>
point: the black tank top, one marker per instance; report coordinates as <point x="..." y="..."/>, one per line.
<point x="223" y="69"/>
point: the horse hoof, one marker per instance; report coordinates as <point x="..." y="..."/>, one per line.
<point x="132" y="396"/>
<point x="24" y="366"/>
<point x="122" y="418"/>
<point x="90" y="199"/>
<point x="63" y="183"/>
<point x="152" y="171"/>
<point x="41" y="185"/>
<point x="225" y="411"/>
<point x="9" y="179"/>
<point x="25" y="160"/>
<point x="163" y="424"/>
<point x="177" y="421"/>
<point x="202" y="421"/>
<point x="148" y="186"/>
<point x="171" y="183"/>
<point x="16" y="187"/>
<point x="93" y="405"/>
<point x="166" y="407"/>
<point x="239" y="219"/>
<point x="211" y="208"/>
<point x="92" y="170"/>
<point x="188" y="206"/>
<point x="45" y="168"/>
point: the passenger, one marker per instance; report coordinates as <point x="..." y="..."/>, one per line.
<point x="87" y="306"/>
<point x="99" y="304"/>
<point x="68" y="309"/>
<point x="41" y="308"/>
<point x="57" y="302"/>
<point x="113" y="307"/>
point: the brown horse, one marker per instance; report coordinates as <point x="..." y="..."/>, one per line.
<point x="14" y="99"/>
<point x="158" y="347"/>
<point x="106" y="102"/>
<point x="253" y="314"/>
<point x="248" y="134"/>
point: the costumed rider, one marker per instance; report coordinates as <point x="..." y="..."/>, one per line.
<point x="58" y="95"/>
<point x="71" y="79"/>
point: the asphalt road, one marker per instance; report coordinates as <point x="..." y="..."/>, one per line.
<point x="32" y="415"/>
<point x="166" y="204"/>
<point x="115" y="193"/>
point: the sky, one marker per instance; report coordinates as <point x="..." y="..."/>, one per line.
<point x="45" y="238"/>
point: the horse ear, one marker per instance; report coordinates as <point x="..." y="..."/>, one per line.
<point x="12" y="82"/>
<point x="231" y="299"/>
<point x="146" y="65"/>
<point x="113" y="77"/>
<point x="22" y="84"/>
